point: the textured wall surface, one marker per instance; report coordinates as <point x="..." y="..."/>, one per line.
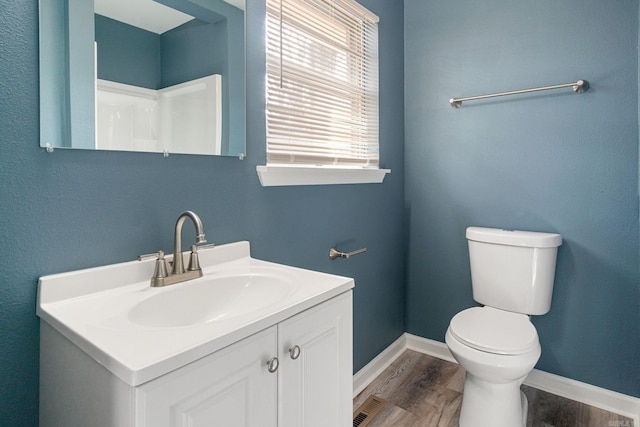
<point x="127" y="54"/>
<point x="552" y="161"/>
<point x="69" y="210"/>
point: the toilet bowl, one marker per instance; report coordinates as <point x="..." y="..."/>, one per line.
<point x="497" y="349"/>
<point x="512" y="275"/>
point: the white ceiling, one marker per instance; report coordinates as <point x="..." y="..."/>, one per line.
<point x="237" y="3"/>
<point x="145" y="14"/>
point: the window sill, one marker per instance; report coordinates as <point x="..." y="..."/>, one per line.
<point x="273" y="176"/>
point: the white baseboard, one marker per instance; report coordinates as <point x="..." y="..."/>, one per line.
<point x="431" y="347"/>
<point x="608" y="400"/>
<point x="586" y="393"/>
<point x="367" y="374"/>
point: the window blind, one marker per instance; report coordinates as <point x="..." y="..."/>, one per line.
<point x="322" y="83"/>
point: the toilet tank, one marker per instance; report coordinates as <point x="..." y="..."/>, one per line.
<point x="513" y="270"/>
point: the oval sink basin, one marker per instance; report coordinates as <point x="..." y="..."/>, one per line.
<point x="209" y="300"/>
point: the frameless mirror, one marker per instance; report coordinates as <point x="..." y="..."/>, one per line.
<point x="143" y="75"/>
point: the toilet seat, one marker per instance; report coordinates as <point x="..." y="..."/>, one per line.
<point x="494" y="331"/>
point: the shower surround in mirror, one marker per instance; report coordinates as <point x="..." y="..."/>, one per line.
<point x="166" y="53"/>
<point x="132" y="118"/>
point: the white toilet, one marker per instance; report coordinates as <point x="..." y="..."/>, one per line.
<point x="512" y="274"/>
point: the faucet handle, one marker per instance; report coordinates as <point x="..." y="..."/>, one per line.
<point x="161" y="270"/>
<point x="194" y="262"/>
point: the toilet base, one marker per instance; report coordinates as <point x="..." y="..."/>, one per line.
<point x="486" y="404"/>
<point x="525" y="408"/>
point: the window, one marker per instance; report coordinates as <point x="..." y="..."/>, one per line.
<point x="322" y="85"/>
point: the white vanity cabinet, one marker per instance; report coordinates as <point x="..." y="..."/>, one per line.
<point x="233" y="387"/>
<point x="315" y="376"/>
<point x="312" y="385"/>
<point x="250" y="344"/>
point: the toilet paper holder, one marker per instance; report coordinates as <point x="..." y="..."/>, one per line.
<point x="334" y="253"/>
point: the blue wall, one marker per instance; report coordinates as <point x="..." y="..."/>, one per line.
<point x="552" y="161"/>
<point x="128" y="54"/>
<point x="74" y="209"/>
<point x="193" y="50"/>
<point x="68" y="90"/>
<point x="131" y="55"/>
<point x="54" y="89"/>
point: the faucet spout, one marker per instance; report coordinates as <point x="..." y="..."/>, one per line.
<point x="178" y="263"/>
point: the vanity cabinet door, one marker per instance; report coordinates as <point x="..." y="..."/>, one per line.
<point x="316" y="376"/>
<point x="230" y="388"/>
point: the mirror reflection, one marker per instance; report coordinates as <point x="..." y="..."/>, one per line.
<point x="143" y="75"/>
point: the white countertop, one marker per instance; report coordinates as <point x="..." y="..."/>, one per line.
<point x="92" y="309"/>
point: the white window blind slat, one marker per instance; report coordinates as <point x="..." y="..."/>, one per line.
<point x="322" y="83"/>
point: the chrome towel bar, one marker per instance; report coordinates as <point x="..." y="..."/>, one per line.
<point x="578" y="87"/>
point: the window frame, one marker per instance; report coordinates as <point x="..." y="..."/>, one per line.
<point x="309" y="172"/>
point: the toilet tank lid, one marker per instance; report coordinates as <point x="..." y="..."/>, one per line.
<point x="531" y="239"/>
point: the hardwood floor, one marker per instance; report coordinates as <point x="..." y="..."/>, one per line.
<point x="423" y="391"/>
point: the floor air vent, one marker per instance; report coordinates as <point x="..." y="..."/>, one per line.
<point x="367" y="411"/>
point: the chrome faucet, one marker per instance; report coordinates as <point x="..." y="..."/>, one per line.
<point x="178" y="273"/>
<point x="178" y="264"/>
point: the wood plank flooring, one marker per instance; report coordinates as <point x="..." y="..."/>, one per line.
<point x="424" y="391"/>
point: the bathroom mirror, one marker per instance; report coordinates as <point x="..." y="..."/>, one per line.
<point x="162" y="76"/>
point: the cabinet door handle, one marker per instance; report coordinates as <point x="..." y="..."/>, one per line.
<point x="272" y="364"/>
<point x="294" y="352"/>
